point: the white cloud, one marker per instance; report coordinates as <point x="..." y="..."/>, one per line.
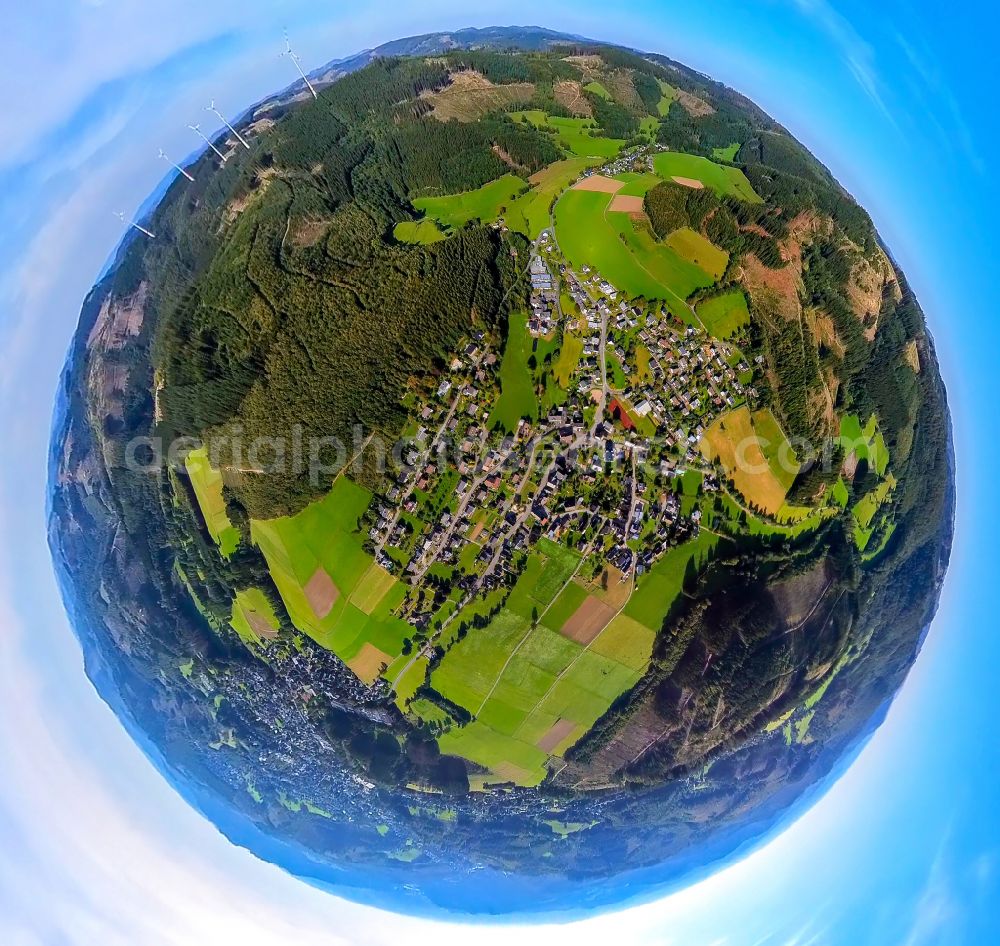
<point x="859" y="55"/>
<point x="943" y="105"/>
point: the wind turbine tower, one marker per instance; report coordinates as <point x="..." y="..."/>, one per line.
<point x="163" y="155"/>
<point x="197" y="130"/>
<point x="298" y="65"/>
<point x="211" y="108"/>
<point x="120" y="214"/>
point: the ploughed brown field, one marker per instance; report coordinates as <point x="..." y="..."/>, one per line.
<point x="321" y="593"/>
<point x="588" y="620"/>
<point x="600" y="183"/>
<point x="626" y="203"/>
<point x="559" y="730"/>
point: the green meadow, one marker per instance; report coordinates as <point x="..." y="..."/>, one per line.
<point x="325" y="538"/>
<point x="623" y="252"/>
<point x="725" y="181"/>
<point x="728" y="153"/>
<point x="692" y="246"/>
<point x="575" y="135"/>
<point x="485" y="203"/>
<point x="568" y="359"/>
<point x="517" y="388"/>
<point x="867" y="443"/>
<point x="777" y="450"/>
<point x="667" y="95"/>
<point x="660" y="586"/>
<point x="418" y="231"/>
<point x="724" y="315"/>
<point x="637" y="184"/>
<point x="206" y="482"/>
<point x="251" y="610"/>
<point x="529" y="213"/>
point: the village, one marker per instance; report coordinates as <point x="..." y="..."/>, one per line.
<point x="600" y="473"/>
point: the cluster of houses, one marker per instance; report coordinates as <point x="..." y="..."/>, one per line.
<point x="544" y="299"/>
<point x="505" y="492"/>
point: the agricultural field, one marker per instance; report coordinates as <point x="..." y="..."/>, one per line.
<point x="575" y="135"/>
<point x="692" y="246"/>
<point x="727" y="154"/>
<point x="725" y="181"/>
<point x="529" y="213"/>
<point x="724" y="315"/>
<point x="776" y="449"/>
<point x="253" y="618"/>
<point x="418" y="231"/>
<point x="568" y="359"/>
<point x="517" y="387"/>
<point x="206" y="482"/>
<point x="749" y="448"/>
<point x="333" y="590"/>
<point x="534" y="689"/>
<point x="485" y="203"/>
<point x="636" y="184"/>
<point x="622" y="250"/>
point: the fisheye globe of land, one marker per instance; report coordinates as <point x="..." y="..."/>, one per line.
<point x="509" y="479"/>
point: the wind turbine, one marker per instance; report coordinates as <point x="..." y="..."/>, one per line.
<point x="197" y="130"/>
<point x="291" y="55"/>
<point x="163" y="155"/>
<point x="211" y="108"/>
<point x="120" y="214"/>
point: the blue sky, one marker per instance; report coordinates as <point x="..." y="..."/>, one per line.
<point x="898" y="99"/>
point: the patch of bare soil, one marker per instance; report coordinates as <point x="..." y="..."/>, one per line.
<point x="783" y="285"/>
<point x="569" y="94"/>
<point x="119" y="320"/>
<point x="321" y="593"/>
<point x="559" y="730"/>
<point x="470" y="95"/>
<point x="304" y="232"/>
<point x="797" y="598"/>
<point x="587" y="621"/>
<point x="850" y="466"/>
<point x="626" y="203"/>
<point x="622" y="89"/>
<point x="598" y="182"/>
<point x="590" y="66"/>
<point x="695" y="107"/>
<point x="260" y="126"/>
<point x="507" y="158"/>
<point x="912" y="355"/>
<point x="239" y="204"/>
<point x="689" y="182"/>
<point x="774" y="290"/>
<point x="824" y="331"/>
<point x="260" y="625"/>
